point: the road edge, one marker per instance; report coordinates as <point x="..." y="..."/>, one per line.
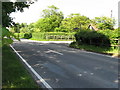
<point x="33" y="71"/>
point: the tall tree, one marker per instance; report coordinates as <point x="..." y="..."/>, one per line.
<point x="74" y="22"/>
<point x="104" y="22"/>
<point x="52" y="18"/>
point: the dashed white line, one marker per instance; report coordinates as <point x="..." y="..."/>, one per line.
<point x="35" y="73"/>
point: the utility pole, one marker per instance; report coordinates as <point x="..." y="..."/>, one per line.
<point x="111" y="13"/>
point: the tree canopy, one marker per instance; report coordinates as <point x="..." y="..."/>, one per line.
<point x="104" y="22"/>
<point x="52" y="18"/>
<point x="75" y="22"/>
<point x="8" y="8"/>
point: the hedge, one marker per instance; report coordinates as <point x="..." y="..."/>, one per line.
<point x="92" y="38"/>
<point x="49" y="35"/>
<point x="98" y="38"/>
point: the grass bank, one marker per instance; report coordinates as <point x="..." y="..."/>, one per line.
<point x="109" y="51"/>
<point x="14" y="74"/>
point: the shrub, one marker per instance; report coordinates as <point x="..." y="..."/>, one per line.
<point x="92" y="38"/>
<point x="112" y="35"/>
<point x="28" y="35"/>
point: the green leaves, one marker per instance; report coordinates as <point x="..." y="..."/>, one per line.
<point x="92" y="38"/>
<point x="7" y="36"/>
<point x="9" y="7"/>
<point x="74" y="22"/>
<point x="104" y="22"/>
<point x="51" y="19"/>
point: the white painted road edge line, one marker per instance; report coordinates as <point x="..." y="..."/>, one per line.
<point x="36" y="74"/>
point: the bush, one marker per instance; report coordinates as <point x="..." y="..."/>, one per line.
<point x="28" y="35"/>
<point x="112" y="35"/>
<point x="92" y="38"/>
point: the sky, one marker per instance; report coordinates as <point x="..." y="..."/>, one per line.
<point x="89" y="8"/>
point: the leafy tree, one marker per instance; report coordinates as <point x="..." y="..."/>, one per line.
<point x="7" y="21"/>
<point x="31" y="27"/>
<point x="104" y="22"/>
<point x="8" y="8"/>
<point x="74" y="22"/>
<point x="52" y="10"/>
<point x="52" y="18"/>
<point x="16" y="28"/>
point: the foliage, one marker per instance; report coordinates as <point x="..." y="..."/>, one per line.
<point x="112" y="35"/>
<point x="74" y="23"/>
<point x="28" y="35"/>
<point x="22" y="28"/>
<point x="104" y="22"/>
<point x="7" y="21"/>
<point x="8" y="8"/>
<point x="51" y="19"/>
<point x="92" y="38"/>
<point x="7" y="37"/>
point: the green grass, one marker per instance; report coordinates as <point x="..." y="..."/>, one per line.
<point x="14" y="74"/>
<point x="104" y="50"/>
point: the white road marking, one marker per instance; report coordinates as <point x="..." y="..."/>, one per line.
<point x="116" y="81"/>
<point x="54" y="52"/>
<point x="80" y="75"/>
<point x="91" y="73"/>
<point x="35" y="73"/>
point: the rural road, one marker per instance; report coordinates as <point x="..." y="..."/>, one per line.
<point x="64" y="67"/>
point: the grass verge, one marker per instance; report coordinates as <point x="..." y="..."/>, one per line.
<point x="109" y="51"/>
<point x="14" y="74"/>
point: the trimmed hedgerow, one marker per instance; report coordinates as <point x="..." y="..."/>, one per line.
<point x="92" y="38"/>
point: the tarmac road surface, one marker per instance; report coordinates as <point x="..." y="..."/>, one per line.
<point x="64" y="67"/>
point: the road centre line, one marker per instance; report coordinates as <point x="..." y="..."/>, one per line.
<point x="33" y="71"/>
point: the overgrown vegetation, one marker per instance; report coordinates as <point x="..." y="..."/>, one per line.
<point x="14" y="74"/>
